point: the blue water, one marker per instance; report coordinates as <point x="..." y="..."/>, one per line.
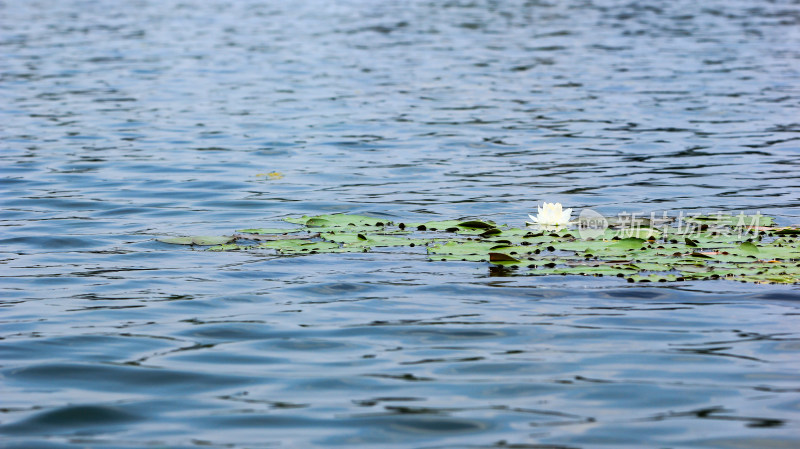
<point x="121" y="122"/>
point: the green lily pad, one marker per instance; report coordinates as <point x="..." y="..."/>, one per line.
<point x="306" y="247"/>
<point x="372" y="240"/>
<point x="638" y="233"/>
<point x="463" y="247"/>
<point x="476" y="224"/>
<point x="628" y="243"/>
<point x="502" y="258"/>
<point x="228" y="247"/>
<point x="585" y="270"/>
<point x="749" y="248"/>
<point x="269" y="231"/>
<point x="652" y="278"/>
<point x="337" y="220"/>
<point x="711" y="247"/>
<point x="649" y="266"/>
<point x="469" y="227"/>
<point x="442" y="225"/>
<point x="740" y="220"/>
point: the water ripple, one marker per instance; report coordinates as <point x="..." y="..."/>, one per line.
<point x="122" y="123"/>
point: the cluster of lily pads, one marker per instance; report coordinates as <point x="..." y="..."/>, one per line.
<point x="740" y="248"/>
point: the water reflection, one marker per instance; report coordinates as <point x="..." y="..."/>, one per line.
<point x="125" y="122"/>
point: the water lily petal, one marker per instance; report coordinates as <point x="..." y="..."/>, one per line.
<point x="552" y="214"/>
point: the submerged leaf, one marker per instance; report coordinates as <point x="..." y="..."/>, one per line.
<point x="197" y="240"/>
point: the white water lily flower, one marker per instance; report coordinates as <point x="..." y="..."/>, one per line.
<point x="551" y="214"/>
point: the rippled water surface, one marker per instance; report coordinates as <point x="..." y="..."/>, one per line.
<point x="124" y="121"/>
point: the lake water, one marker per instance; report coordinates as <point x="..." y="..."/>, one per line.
<point x="121" y="122"/>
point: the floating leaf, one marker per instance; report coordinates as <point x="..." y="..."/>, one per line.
<point x="476" y="224"/>
<point x="372" y="240"/>
<point x="269" y="231"/>
<point x="270" y="175"/>
<point x="318" y="223"/>
<point x="638" y="232"/>
<point x="500" y="257"/>
<point x="337" y="220"/>
<point x="628" y="243"/>
<point x="740" y="220"/>
<point x="443" y="225"/>
<point x="787" y="231"/>
<point x="749" y="248"/>
<point x="701" y="255"/>
<point x="465" y="250"/>
<point x="269" y="237"/>
<point x="306" y="247"/>
<point x="710" y="248"/>
<point x="470" y="227"/>
<point x="227" y="247"/>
